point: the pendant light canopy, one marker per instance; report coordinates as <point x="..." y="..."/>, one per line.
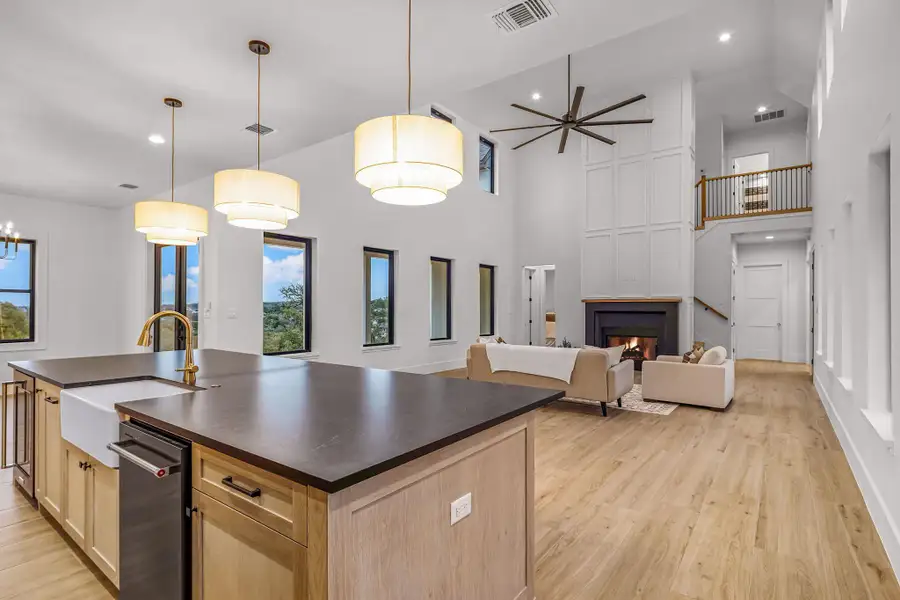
<point x="253" y="198"/>
<point x="168" y="222"/>
<point x="408" y="159"/>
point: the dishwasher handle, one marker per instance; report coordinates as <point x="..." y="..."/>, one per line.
<point x="159" y="471"/>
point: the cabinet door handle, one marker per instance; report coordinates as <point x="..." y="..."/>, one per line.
<point x="50" y="400"/>
<point x="229" y="482"/>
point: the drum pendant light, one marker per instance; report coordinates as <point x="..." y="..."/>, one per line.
<point x="408" y="159"/>
<point x="253" y="198"/>
<point x="168" y="222"/>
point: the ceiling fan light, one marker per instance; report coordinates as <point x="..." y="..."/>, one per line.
<point x="259" y="216"/>
<point x="176" y="223"/>
<point x="408" y="159"/>
<point x="249" y="190"/>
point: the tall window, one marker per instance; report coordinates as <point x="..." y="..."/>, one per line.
<point x="486" y="299"/>
<point x="441" y="294"/>
<point x="486" y="163"/>
<point x="287" y="294"/>
<point x="439" y="115"/>
<point x="17" y="293"/>
<point x="379" y="296"/>
<point x="177" y="287"/>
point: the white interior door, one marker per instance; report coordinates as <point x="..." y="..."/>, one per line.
<point x="759" y="318"/>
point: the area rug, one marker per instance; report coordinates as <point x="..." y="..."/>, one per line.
<point x="635" y="402"/>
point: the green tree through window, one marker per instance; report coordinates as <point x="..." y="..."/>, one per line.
<point x="287" y="279"/>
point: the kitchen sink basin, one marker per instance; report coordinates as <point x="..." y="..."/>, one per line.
<point x="88" y="417"/>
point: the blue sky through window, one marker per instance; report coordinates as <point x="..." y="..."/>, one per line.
<point x="282" y="265"/>
<point x="16" y="274"/>
<point x="379" y="269"/>
<point x="167" y="276"/>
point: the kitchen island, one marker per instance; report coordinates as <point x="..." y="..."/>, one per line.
<point x="321" y="481"/>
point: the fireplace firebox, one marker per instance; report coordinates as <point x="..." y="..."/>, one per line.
<point x="647" y="329"/>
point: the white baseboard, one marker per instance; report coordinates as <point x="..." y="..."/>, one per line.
<point x="436" y="367"/>
<point x="875" y="503"/>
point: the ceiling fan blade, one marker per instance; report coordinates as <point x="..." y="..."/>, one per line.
<point x="563" y="139"/>
<point x="612" y="108"/>
<point x="536" y="112"/>
<point x="626" y="122"/>
<point x="538" y="137"/>
<point x="526" y="127"/>
<point x="576" y="103"/>
<point x="599" y="138"/>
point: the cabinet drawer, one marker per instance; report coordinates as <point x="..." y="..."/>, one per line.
<point x="267" y="498"/>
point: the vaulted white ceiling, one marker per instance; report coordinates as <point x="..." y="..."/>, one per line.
<point x="83" y="80"/>
<point x="767" y="62"/>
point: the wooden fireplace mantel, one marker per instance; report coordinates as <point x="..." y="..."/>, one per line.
<point x="628" y="300"/>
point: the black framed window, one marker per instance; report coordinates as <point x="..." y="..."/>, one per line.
<point x="287" y="294"/>
<point x="486" y="165"/>
<point x="176" y="287"/>
<point x="441" y="299"/>
<point x="17" y="292"/>
<point x="439" y="115"/>
<point x="378" y="267"/>
<point x="486" y="299"/>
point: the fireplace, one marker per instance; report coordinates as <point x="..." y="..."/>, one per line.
<point x="637" y="348"/>
<point x="647" y="328"/>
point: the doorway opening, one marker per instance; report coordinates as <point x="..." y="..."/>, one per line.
<point x="539" y="305"/>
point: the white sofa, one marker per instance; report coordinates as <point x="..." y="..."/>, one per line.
<point x="669" y="379"/>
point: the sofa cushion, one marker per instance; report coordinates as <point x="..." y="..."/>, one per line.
<point x="714" y="356"/>
<point x="614" y="353"/>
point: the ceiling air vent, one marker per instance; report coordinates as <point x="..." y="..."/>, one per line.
<point x="522" y="14"/>
<point x="769" y="116"/>
<point x="128" y="186"/>
<point x="260" y="129"/>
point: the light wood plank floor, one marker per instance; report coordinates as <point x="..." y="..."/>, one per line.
<point x="757" y="502"/>
<point x="754" y="502"/>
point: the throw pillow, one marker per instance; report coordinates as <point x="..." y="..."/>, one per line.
<point x="615" y="354"/>
<point x="714" y="356"/>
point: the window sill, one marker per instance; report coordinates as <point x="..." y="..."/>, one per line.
<point x="442" y="342"/>
<point x="385" y="348"/>
<point x="882" y="423"/>
<point x="300" y="356"/>
<point x="846" y="383"/>
<point x="22" y="346"/>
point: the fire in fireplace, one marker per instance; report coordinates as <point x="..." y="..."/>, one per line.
<point x="637" y="348"/>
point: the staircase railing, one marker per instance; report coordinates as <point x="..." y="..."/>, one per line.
<point x="772" y="192"/>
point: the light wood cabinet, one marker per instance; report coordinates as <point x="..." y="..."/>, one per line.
<point x="102" y="535"/>
<point x="49" y="482"/>
<point x="237" y="557"/>
<point x="90" y="508"/>
<point x="74" y="500"/>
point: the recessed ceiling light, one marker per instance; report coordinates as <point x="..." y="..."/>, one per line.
<point x="762" y="109"/>
<point x="156" y="139"/>
<point x="725" y="37"/>
<point x="536" y="96"/>
<point x="770" y="237"/>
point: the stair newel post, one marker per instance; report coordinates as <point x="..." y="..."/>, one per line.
<point x="703" y="200"/>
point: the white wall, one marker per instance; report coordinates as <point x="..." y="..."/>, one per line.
<point x="78" y="283"/>
<point x="710" y="147"/>
<point x="470" y="227"/>
<point x="856" y="120"/>
<point x="795" y="305"/>
<point x="785" y="141"/>
<point x="615" y="221"/>
<point x="713" y="257"/>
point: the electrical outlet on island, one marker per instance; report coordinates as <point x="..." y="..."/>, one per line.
<point x="460" y="508"/>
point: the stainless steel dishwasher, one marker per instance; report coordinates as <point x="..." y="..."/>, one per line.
<point x="154" y="514"/>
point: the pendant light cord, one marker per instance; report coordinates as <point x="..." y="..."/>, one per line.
<point x="258" y="102"/>
<point x="173" y="152"/>
<point x="569" y="87"/>
<point x="409" y="58"/>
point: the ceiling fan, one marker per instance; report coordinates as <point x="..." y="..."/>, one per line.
<point x="570" y="121"/>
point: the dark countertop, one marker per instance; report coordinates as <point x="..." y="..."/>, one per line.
<point x="325" y="425"/>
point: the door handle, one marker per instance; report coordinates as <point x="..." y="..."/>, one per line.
<point x="229" y="482"/>
<point x="779" y="326"/>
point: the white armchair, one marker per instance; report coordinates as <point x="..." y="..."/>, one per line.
<point x="669" y="379"/>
